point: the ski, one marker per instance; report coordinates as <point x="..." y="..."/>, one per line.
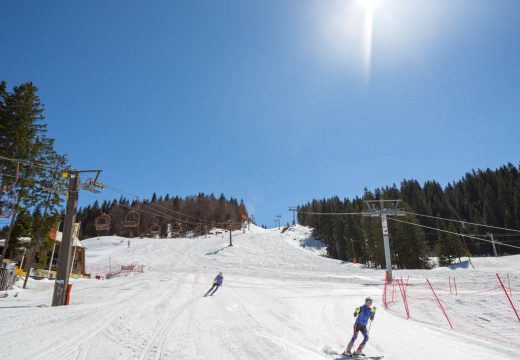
<point x="352" y="356"/>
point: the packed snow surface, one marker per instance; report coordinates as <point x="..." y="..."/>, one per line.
<point x="279" y="300"/>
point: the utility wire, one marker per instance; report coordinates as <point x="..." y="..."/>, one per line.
<point x="453" y="233"/>
<point x="158" y="213"/>
<point x="146" y="212"/>
<point x="330" y="213"/>
<point x="420" y="215"/>
<point x="177" y="218"/>
<point x="208" y="222"/>
<point x="180" y="213"/>
<point x="498" y="235"/>
<point x="22" y="178"/>
<point x="461" y="222"/>
<point x="29" y="163"/>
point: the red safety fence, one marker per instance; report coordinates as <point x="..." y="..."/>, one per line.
<point x="125" y="270"/>
<point x="484" y="305"/>
<point x="99" y="271"/>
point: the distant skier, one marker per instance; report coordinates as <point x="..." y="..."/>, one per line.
<point x="128" y="243"/>
<point x="217" y="282"/>
<point x="363" y="314"/>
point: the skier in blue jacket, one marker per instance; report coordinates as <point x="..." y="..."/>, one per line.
<point x="217" y="282"/>
<point x="363" y="314"/>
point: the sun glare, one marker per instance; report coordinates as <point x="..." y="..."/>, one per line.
<point x="358" y="37"/>
<point x="369" y="4"/>
<point x="369" y="8"/>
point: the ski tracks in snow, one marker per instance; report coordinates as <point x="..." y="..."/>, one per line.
<point x="77" y="343"/>
<point x="276" y="303"/>
<point x="155" y="345"/>
<point x="117" y="326"/>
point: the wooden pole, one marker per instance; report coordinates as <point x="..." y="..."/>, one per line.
<point x="64" y="257"/>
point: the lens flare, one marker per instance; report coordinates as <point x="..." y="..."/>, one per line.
<point x="369" y="8"/>
<point x="353" y="37"/>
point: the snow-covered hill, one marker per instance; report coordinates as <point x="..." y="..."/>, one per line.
<point x="279" y="300"/>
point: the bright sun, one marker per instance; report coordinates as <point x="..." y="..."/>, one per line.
<point x="365" y="37"/>
<point x="369" y="4"/>
<point x="346" y="33"/>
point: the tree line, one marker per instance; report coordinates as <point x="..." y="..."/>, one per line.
<point x="168" y="216"/>
<point x="490" y="197"/>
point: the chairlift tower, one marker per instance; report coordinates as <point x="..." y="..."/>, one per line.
<point x="278" y="220"/>
<point x="293" y="209"/>
<point x="230" y="233"/>
<point x="382" y="209"/>
<point x="65" y="254"/>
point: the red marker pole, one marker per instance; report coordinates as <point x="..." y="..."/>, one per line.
<point x="440" y="304"/>
<point x="508" y="298"/>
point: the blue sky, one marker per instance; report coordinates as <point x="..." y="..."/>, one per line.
<point x="271" y="101"/>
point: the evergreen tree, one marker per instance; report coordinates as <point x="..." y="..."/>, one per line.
<point x="451" y="246"/>
<point x="23" y="136"/>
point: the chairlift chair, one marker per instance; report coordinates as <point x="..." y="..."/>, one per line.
<point x="102" y="222"/>
<point x="198" y="230"/>
<point x="132" y="219"/>
<point x="179" y="230"/>
<point x="155" y="229"/>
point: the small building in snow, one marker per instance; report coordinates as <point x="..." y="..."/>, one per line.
<point x="78" y="251"/>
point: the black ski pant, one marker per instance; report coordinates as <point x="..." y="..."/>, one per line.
<point x="215" y="286"/>
<point x="358" y="328"/>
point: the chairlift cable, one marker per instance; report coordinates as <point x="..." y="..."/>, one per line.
<point x="156" y="213"/>
<point x="453" y="233"/>
<point x="31" y="164"/>
<point x="209" y="222"/>
<point x="328" y="213"/>
<point x="462" y="222"/>
<point x="415" y="214"/>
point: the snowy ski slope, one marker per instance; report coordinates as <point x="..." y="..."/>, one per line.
<point x="278" y="301"/>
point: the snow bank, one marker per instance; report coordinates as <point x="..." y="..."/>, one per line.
<point x="302" y="236"/>
<point x="502" y="263"/>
